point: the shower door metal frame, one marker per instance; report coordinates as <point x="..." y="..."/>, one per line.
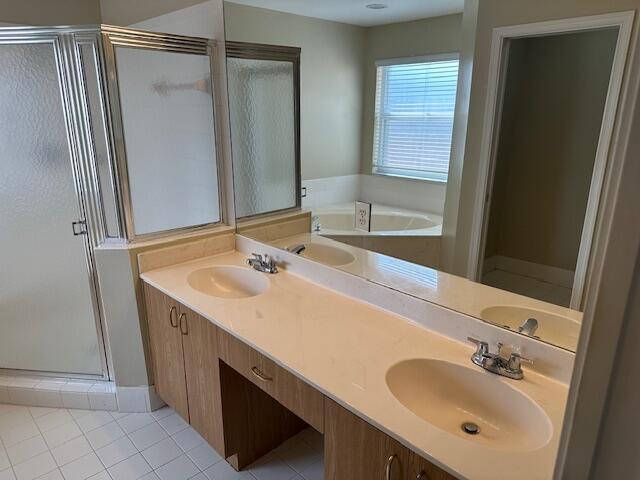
<point x="260" y="51"/>
<point x="77" y="126"/>
<point x="112" y="37"/>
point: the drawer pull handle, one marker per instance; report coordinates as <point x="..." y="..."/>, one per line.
<point x="173" y="310"/>
<point x="387" y="470"/>
<point x="184" y="330"/>
<point x="422" y="476"/>
<point x="256" y="371"/>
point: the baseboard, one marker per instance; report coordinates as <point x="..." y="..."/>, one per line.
<point x="57" y="392"/>
<point x="138" y="399"/>
<point x="545" y="273"/>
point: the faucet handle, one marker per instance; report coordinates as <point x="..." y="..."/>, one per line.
<point x="257" y="256"/>
<point x="482" y="347"/>
<point x="515" y="361"/>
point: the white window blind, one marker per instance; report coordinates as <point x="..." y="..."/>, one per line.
<point x="415" y="103"/>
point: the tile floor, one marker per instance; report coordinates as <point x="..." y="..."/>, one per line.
<point x="60" y="444"/>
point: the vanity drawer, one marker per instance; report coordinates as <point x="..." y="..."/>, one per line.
<point x="293" y="393"/>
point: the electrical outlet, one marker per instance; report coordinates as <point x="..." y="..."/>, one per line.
<point x="363" y="216"/>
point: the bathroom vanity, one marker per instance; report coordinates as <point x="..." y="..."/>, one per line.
<point x="250" y="359"/>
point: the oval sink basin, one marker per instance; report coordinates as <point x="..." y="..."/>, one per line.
<point x="450" y="396"/>
<point x="228" y="282"/>
<point x="552" y="328"/>
<point x="326" y="254"/>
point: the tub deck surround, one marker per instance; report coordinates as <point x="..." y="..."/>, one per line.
<point x="344" y="348"/>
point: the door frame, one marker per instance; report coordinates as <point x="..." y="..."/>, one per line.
<point x="493" y="109"/>
<point x="77" y="127"/>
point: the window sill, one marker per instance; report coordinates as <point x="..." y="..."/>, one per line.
<point x="408" y="177"/>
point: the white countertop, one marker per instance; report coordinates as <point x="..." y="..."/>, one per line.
<point x="344" y="348"/>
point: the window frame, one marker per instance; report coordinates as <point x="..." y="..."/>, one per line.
<point x="433" y="177"/>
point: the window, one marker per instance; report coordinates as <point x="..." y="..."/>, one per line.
<point x="415" y="103"/>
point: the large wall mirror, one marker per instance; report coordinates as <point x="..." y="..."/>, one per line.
<point x="502" y="231"/>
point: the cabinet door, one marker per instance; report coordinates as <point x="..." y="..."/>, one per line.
<point x="421" y="469"/>
<point x="166" y="349"/>
<point x="355" y="450"/>
<point x="199" y="341"/>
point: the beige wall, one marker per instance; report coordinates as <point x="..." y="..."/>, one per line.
<point x="428" y="36"/>
<point x="127" y="12"/>
<point x="554" y="101"/>
<point x="493" y="13"/>
<point x="49" y="12"/>
<point x="331" y="82"/>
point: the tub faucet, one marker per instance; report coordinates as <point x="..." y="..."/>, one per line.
<point x="315" y="223"/>
<point x="495" y="363"/>
<point x="529" y="327"/>
<point x="263" y="263"/>
<point x="297" y="249"/>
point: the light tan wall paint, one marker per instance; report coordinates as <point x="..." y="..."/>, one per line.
<point x="552" y="114"/>
<point x="331" y="82"/>
<point x="491" y="14"/>
<point x="48" y="12"/>
<point x="127" y="12"/>
<point x="427" y="36"/>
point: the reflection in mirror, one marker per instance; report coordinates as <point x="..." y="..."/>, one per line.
<point x="263" y="105"/>
<point x="173" y="180"/>
<point x="378" y="95"/>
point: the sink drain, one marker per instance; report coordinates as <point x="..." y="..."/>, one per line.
<point x="470" y="428"/>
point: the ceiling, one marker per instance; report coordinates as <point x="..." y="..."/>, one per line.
<point x="355" y="11"/>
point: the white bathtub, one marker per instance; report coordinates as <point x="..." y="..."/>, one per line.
<point x="405" y="234"/>
<point x="385" y="221"/>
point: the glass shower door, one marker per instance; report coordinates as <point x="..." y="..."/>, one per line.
<point x="47" y="316"/>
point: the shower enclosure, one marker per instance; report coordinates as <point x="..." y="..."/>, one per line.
<point x="98" y="126"/>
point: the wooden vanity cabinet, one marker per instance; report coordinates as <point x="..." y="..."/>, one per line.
<point x="165" y="342"/>
<point x="354" y="449"/>
<point x="185" y="364"/>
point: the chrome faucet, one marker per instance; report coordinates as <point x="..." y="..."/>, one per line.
<point x="263" y="263"/>
<point x="315" y="224"/>
<point x="529" y="327"/>
<point x="509" y="367"/>
<point x="297" y="249"/>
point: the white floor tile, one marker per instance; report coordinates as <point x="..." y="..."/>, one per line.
<point x="35" y="467"/>
<point x="224" y="471"/>
<point x="200" y="476"/>
<point x="116" y="452"/>
<point x="19" y="433"/>
<point x="26" y="449"/>
<point x="173" y="423"/>
<point x="104" y="435"/>
<point x="314" y="472"/>
<point x="71" y="450"/>
<point x="104" y="475"/>
<point x="299" y="456"/>
<point x="77" y="413"/>
<point x="163" y="412"/>
<point x="204" y="456"/>
<point x="93" y="420"/>
<point x="150" y="476"/>
<point x="61" y="434"/>
<point x="188" y="439"/>
<point x="16" y="418"/>
<point x="130" y="469"/>
<point x="53" y="420"/>
<point x="162" y="452"/>
<point x="53" y="475"/>
<point x="7" y="474"/>
<point x="4" y="459"/>
<point x="82" y="468"/>
<point x="135" y="421"/>
<point x="147" y="436"/>
<point x="40" y="411"/>
<point x="271" y="467"/>
<point x="181" y="468"/>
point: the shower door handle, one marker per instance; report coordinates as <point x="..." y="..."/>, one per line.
<point x="79" y="227"/>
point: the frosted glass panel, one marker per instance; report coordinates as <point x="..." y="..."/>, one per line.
<point x="261" y="100"/>
<point x="167" y="116"/>
<point x="46" y="315"/>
